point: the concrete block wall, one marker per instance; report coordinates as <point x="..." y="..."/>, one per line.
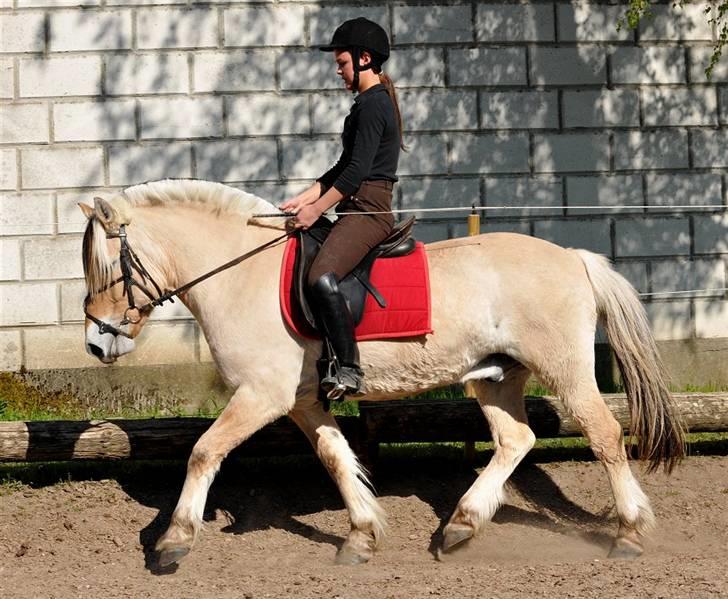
<point x="542" y="112"/>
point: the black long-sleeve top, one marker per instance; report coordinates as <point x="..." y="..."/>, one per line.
<point x="371" y="143"/>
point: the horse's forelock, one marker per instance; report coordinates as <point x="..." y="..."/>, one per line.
<point x="97" y="264"/>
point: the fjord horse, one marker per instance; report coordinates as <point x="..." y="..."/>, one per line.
<point x="493" y="294"/>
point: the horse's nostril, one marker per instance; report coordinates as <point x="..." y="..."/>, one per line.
<point x="96" y="350"/>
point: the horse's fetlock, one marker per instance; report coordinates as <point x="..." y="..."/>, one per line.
<point x="358" y="547"/>
<point x="183" y="527"/>
<point x="466" y="517"/>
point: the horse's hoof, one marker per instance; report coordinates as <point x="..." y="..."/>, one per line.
<point x="348" y="557"/>
<point x="625" y="549"/>
<point x="171" y="555"/>
<point x="455" y="535"/>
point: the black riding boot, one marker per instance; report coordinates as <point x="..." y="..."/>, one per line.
<point x="336" y="323"/>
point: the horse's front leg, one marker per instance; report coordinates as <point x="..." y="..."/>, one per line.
<point x="367" y="517"/>
<point x="249" y="410"/>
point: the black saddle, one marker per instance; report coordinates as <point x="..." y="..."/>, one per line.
<point x="356" y="284"/>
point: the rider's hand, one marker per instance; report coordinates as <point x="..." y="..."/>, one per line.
<point x="307" y="215"/>
<point x="292" y="205"/>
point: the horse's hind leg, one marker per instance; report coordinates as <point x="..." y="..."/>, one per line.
<point x="503" y="406"/>
<point x="582" y="398"/>
<point x="367" y="518"/>
<point x="248" y="411"/>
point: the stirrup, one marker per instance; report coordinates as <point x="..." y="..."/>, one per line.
<point x="345" y="381"/>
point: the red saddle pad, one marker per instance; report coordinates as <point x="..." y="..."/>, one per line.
<point x="403" y="282"/>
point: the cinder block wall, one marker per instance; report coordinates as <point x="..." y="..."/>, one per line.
<point x="541" y="104"/>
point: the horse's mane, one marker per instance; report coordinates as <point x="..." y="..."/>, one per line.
<point x="209" y="196"/>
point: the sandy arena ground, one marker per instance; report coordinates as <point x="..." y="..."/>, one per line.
<point x="272" y="531"/>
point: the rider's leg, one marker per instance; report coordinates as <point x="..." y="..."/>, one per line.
<point x="350" y="240"/>
<point x="335" y="321"/>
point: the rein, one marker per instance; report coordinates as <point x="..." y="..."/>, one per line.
<point x="130" y="262"/>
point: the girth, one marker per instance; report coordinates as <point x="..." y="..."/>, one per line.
<point x="356" y="284"/>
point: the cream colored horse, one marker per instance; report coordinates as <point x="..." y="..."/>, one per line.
<point x="492" y="294"/>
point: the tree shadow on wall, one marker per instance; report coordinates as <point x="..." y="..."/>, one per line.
<point x="267" y="119"/>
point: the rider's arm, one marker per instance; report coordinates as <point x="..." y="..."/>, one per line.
<point x="308" y="196"/>
<point x="327" y="179"/>
<point x="332" y="197"/>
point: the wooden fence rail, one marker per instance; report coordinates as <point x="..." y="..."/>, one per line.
<point x="378" y="422"/>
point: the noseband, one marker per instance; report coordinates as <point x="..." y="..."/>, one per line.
<point x="130" y="264"/>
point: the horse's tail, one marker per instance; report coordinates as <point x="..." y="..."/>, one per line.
<point x="655" y="423"/>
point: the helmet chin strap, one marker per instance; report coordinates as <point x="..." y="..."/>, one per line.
<point x="355" y="55"/>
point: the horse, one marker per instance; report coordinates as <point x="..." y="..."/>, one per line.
<point x="492" y="295"/>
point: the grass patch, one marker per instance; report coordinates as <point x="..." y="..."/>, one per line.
<point x="10" y="485"/>
<point x="20" y="400"/>
<point x="707" y="388"/>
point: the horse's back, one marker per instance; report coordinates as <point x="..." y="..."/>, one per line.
<point x="515" y="249"/>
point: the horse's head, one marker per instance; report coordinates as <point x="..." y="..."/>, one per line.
<point x="117" y="300"/>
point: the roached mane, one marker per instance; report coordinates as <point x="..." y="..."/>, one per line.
<point x="206" y="195"/>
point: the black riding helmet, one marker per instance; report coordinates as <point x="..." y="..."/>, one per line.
<point x="360" y="34"/>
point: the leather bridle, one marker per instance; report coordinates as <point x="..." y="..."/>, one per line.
<point x="130" y="264"/>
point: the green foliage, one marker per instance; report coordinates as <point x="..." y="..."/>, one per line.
<point x="636" y="11"/>
<point x="720" y="20"/>
<point x="715" y="13"/>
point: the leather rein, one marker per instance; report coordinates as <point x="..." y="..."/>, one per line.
<point x="130" y="264"/>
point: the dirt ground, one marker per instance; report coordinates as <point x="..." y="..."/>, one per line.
<point x="273" y="529"/>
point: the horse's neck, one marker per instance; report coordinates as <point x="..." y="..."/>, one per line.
<point x="197" y="243"/>
<point x="189" y="242"/>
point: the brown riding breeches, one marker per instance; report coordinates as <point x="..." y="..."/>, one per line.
<point x="353" y="236"/>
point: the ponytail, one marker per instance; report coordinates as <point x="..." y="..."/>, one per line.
<point x="389" y="86"/>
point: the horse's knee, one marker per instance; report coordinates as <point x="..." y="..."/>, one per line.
<point x="198" y="459"/>
<point x="199" y="462"/>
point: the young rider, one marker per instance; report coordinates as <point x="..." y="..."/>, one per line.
<point x="360" y="181"/>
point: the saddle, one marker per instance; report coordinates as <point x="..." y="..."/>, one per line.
<point x="357" y="283"/>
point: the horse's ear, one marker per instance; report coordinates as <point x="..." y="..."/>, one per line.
<point x="106" y="214"/>
<point x="88" y="212"/>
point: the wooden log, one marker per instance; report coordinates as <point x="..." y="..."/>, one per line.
<point x="462" y="419"/>
<point x="379" y="422"/>
<point x="162" y="438"/>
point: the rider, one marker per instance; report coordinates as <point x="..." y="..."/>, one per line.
<point x="360" y="181"/>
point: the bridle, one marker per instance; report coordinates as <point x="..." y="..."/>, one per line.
<point x="130" y="264"/>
